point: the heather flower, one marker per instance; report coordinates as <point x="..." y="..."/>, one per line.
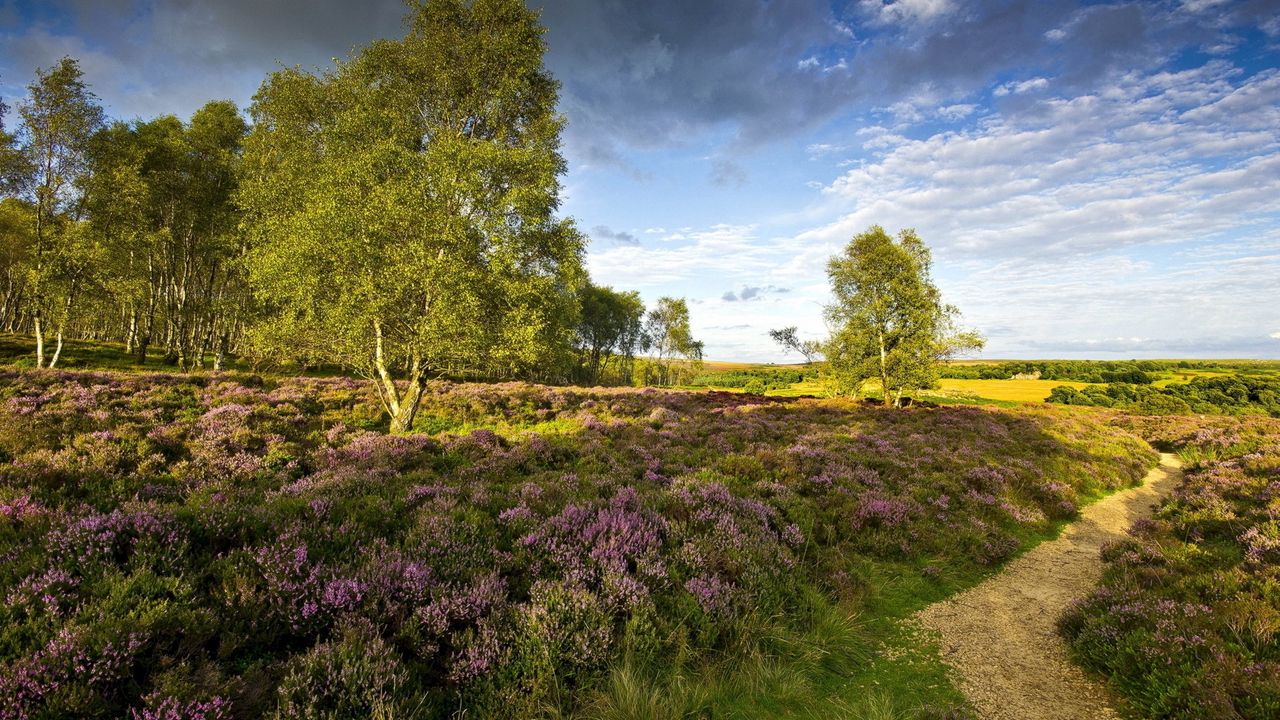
<point x="713" y="594"/>
<point x="171" y="708"/>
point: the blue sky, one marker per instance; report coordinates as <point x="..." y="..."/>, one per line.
<point x="1096" y="180"/>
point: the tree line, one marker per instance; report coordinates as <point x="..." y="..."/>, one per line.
<point x="394" y="215"/>
<point x="1233" y="395"/>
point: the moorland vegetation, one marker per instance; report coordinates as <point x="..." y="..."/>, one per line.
<point x="245" y="546"/>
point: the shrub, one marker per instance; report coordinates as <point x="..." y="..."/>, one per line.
<point x="1186" y="621"/>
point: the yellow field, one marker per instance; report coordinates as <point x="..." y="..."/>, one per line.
<point x="1185" y="376"/>
<point x="1010" y="390"/>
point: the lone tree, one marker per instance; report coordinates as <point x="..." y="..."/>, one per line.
<point x="789" y="339"/>
<point x="401" y="205"/>
<point x="888" y="321"/>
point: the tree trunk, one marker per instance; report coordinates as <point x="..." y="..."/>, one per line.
<point x="57" y="353"/>
<point x="62" y="322"/>
<point x="401" y="408"/>
<point x="39" y="339"/>
<point x="402" y="421"/>
<point x="220" y="356"/>
<point x="884" y="373"/>
<point x="131" y="335"/>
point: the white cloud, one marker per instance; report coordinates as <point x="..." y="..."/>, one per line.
<point x="817" y="150"/>
<point x="719" y="251"/>
<point x="1275" y="335"/>
<point x="1079" y="174"/>
<point x="957" y="112"/>
<point x="1017" y="88"/>
<point x="902" y="12"/>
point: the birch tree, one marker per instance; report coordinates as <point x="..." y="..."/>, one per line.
<point x="401" y="205"/>
<point x="888" y="320"/>
<point x="59" y="116"/>
<point x="670" y="337"/>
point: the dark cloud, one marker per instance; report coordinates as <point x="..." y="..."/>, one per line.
<point x="635" y="75"/>
<point x="604" y="232"/>
<point x="753" y="292"/>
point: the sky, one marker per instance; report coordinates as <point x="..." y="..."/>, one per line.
<point x="1096" y="180"/>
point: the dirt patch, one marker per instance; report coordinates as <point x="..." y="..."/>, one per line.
<point x="1000" y="637"/>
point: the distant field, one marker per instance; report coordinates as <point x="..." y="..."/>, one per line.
<point x="726" y="365"/>
<point x="1010" y="390"/>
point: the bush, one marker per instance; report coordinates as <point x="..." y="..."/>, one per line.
<point x="1186" y="621"/>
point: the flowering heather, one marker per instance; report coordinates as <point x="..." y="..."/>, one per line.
<point x="1186" y="621"/>
<point x="217" y="546"/>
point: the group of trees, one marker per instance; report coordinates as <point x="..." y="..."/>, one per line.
<point x="1135" y="372"/>
<point x="395" y="215"/>
<point x="119" y="230"/>
<point x="1231" y="395"/>
<point x="614" y="331"/>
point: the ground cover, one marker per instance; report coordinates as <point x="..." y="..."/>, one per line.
<point x="219" y="546"/>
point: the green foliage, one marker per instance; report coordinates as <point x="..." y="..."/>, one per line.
<point x="1233" y="395"/>
<point x="789" y="339"/>
<point x="59" y="116"/>
<point x="888" y="319"/>
<point x="15" y="167"/>
<point x="755" y="381"/>
<point x="1134" y="372"/>
<point x="610" y="330"/>
<point x="356" y="674"/>
<point x="401" y="205"/>
<point x="160" y="202"/>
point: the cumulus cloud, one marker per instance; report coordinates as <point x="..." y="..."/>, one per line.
<point x="720" y="250"/>
<point x="1147" y="160"/>
<point x="1017" y="88"/>
<point x="904" y="11"/>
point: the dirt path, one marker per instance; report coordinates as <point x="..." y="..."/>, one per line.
<point x="1000" y="637"/>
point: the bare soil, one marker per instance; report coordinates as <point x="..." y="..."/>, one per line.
<point x="1000" y="638"/>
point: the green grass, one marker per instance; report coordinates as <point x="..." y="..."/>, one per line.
<point x="20" y="350"/>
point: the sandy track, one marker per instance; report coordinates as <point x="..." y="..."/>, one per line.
<point x="999" y="636"/>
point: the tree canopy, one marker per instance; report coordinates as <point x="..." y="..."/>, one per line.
<point x="789" y="339"/>
<point x="610" y="330"/>
<point x="59" y="116"/>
